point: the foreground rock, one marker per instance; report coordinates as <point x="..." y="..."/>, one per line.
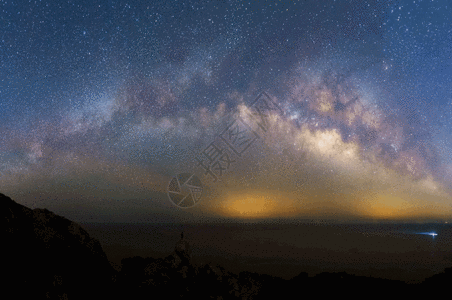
<point x="48" y="256"/>
<point x="141" y="278"/>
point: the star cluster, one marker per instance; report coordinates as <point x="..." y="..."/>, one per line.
<point x="103" y="102"/>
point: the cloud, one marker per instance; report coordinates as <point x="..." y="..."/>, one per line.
<point x="307" y="172"/>
<point x="337" y="152"/>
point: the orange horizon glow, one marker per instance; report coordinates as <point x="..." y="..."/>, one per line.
<point x="256" y="204"/>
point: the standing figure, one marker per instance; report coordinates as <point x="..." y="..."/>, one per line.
<point x="183" y="251"/>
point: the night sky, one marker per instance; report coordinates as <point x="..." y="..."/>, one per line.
<point x="102" y="103"/>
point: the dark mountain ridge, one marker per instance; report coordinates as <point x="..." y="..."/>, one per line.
<point x="47" y="256"/>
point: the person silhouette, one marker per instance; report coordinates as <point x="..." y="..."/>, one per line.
<point x="183" y="251"/>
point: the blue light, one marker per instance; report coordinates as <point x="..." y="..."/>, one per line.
<point x="433" y="234"/>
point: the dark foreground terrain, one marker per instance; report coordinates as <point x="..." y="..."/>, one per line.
<point x="46" y="256"/>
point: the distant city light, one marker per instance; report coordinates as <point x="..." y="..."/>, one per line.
<point x="433" y="234"/>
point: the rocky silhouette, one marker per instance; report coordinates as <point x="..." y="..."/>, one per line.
<point x="47" y="256"/>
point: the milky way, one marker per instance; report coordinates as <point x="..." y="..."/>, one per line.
<point x="102" y="104"/>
